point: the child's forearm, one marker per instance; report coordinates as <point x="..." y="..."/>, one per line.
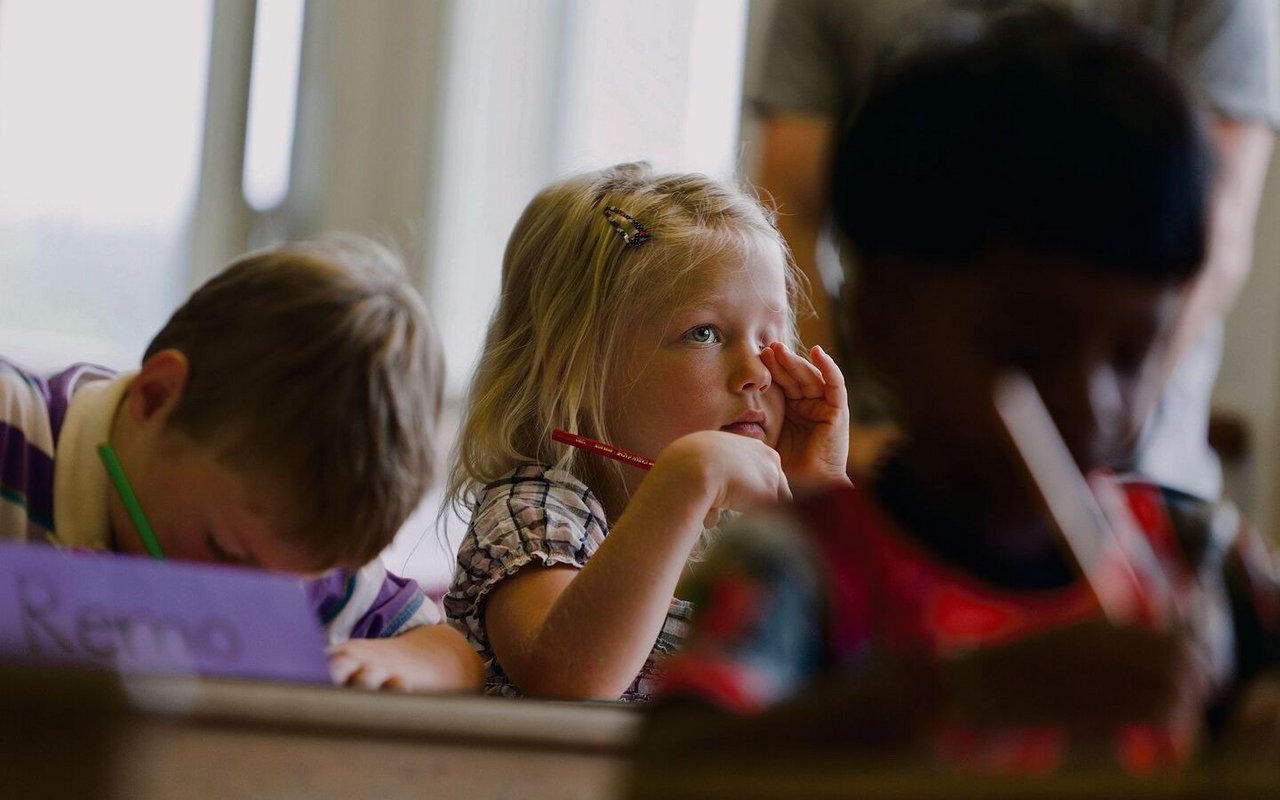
<point x="598" y="631"/>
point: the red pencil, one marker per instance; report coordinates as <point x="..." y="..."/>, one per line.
<point x="602" y="449"/>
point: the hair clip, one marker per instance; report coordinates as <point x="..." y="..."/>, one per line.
<point x="639" y="235"/>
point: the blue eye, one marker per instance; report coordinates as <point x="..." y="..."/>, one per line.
<point x="702" y="334"/>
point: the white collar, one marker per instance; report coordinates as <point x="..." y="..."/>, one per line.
<point x="81" y="515"/>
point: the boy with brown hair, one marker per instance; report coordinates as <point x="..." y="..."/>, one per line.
<point x="284" y="418"/>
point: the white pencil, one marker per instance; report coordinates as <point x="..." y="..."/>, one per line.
<point x="1101" y="538"/>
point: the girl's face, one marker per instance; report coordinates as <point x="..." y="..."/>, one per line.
<point x="698" y="366"/>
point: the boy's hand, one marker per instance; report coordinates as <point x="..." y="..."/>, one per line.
<point x="1253" y="731"/>
<point x="814" y="443"/>
<point x="1088" y="677"/>
<point x="733" y="472"/>
<point x="429" y="658"/>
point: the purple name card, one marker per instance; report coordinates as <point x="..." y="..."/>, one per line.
<point x="134" y="615"/>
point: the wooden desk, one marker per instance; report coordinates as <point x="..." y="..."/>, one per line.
<point x="65" y="734"/>
<point x="834" y="774"/>
<point x="836" y="779"/>
<point x="81" y="734"/>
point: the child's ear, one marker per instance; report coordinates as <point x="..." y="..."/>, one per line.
<point x="158" y="388"/>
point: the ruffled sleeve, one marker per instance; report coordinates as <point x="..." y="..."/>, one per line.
<point x="534" y="515"/>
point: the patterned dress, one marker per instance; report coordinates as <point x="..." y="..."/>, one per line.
<point x="539" y="516"/>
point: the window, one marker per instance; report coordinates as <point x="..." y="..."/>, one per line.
<point x="436" y="119"/>
<point x="100" y="121"/>
<point x="536" y="90"/>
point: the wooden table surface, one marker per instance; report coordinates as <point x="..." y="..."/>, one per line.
<point x="69" y="734"/>
<point x="83" y="734"/>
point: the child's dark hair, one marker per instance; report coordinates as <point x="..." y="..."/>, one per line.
<point x="1028" y="128"/>
<point x="316" y="363"/>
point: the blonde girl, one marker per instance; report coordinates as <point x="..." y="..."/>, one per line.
<point x="648" y="311"/>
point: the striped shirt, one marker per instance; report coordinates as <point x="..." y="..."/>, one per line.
<point x="53" y="488"/>
<point x="542" y="516"/>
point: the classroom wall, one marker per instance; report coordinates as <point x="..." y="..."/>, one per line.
<point x="425" y="124"/>
<point x="1249" y="381"/>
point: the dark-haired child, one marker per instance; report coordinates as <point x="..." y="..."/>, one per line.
<point x="1024" y="193"/>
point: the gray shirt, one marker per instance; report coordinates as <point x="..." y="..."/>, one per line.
<point x="822" y="53"/>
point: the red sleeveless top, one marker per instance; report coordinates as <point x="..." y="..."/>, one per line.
<point x="888" y="592"/>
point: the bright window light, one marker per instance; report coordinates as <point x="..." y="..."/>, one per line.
<point x="273" y="100"/>
<point x="99" y="116"/>
<point x="101" y="113"/>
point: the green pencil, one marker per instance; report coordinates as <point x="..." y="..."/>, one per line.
<point x="116" y="472"/>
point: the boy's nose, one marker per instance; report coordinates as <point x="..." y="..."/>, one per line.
<point x="1092" y="416"/>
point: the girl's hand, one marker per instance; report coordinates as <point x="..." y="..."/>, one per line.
<point x="814" y="443"/>
<point x="730" y="472"/>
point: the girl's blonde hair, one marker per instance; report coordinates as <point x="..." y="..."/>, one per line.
<point x="572" y="292"/>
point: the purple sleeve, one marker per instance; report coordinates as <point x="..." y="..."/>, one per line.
<point x="32" y="409"/>
<point x="370" y="603"/>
